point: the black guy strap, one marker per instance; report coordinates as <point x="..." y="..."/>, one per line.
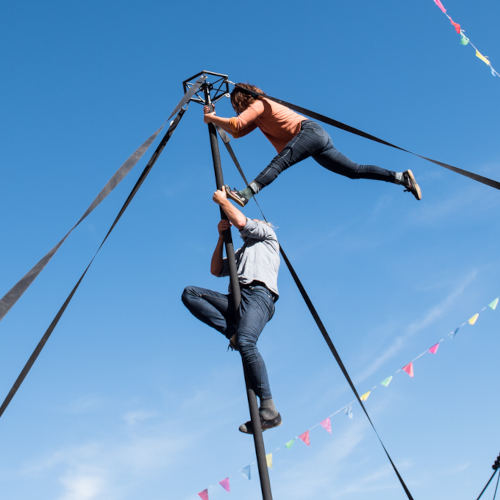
<point x="495" y="467"/>
<point x="318" y="321"/>
<point x="15" y="293"/>
<point x="60" y="312"/>
<point x="335" y="123"/>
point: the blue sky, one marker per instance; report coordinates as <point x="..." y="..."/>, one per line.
<point x="132" y="397"/>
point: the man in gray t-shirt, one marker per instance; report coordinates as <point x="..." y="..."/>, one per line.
<point x="257" y="266"/>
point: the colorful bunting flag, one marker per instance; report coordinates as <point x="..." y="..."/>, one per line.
<point x="440" y="5"/>
<point x="456" y="25"/>
<point x="463" y="39"/>
<point x="365" y="396"/>
<point x="289" y="444"/>
<point x="269" y="460"/>
<point x="327" y="425"/>
<point x="409" y="369"/>
<point x="203" y="494"/>
<point x="483" y="58"/>
<point x="434" y="348"/>
<point x="247" y="472"/>
<point x="472" y="321"/>
<point x="305" y="437"/>
<point x="454" y="332"/>
<point x="493" y="304"/>
<point x="348" y="412"/>
<point x="386" y="381"/>
<point x="225" y="484"/>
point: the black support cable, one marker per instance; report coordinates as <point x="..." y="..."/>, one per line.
<point x="487" y="484"/>
<point x="15" y="293"/>
<point x="31" y="360"/>
<point x="495" y="468"/>
<point x="366" y="135"/>
<point x="319" y="323"/>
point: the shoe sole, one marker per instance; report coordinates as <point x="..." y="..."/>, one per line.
<point x="418" y="193"/>
<point x="233" y="197"/>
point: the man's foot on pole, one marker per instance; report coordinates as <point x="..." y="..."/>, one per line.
<point x="240" y="197"/>
<point x="411" y="185"/>
<point x="247" y="427"/>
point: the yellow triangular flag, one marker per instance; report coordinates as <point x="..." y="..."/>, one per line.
<point x="483" y="58"/>
<point x="472" y="321"/>
<point x="269" y="460"/>
<point x="365" y="396"/>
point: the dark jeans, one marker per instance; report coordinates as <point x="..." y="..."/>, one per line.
<point x="256" y="309"/>
<point x="313" y="140"/>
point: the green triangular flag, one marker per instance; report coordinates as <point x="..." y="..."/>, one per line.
<point x="386" y="381"/>
<point x="290" y="443"/>
<point x="493" y="304"/>
<point x="463" y="39"/>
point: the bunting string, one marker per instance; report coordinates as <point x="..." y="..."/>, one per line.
<point x="326" y="424"/>
<point x="465" y="40"/>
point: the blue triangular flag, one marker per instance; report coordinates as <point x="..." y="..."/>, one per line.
<point x="246" y="472"/>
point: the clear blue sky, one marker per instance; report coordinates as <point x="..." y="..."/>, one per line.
<point x="132" y="397"/>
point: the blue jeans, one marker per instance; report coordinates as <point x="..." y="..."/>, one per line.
<point x="313" y="140"/>
<point x="256" y="309"/>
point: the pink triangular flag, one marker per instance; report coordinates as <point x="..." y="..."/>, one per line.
<point x="203" y="495"/>
<point x="409" y="369"/>
<point x="440" y="5"/>
<point x="327" y="425"/>
<point x="434" y="348"/>
<point x="225" y="484"/>
<point x="305" y="437"/>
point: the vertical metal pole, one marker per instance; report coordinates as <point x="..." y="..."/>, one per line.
<point x="260" y="450"/>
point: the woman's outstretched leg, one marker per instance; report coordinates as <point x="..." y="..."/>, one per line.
<point x="333" y="160"/>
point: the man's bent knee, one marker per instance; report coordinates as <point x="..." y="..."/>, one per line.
<point x="188" y="294"/>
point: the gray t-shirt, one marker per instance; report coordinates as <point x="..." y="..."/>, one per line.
<point x="259" y="257"/>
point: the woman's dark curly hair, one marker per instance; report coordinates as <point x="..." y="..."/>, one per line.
<point x="241" y="99"/>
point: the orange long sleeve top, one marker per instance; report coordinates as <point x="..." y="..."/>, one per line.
<point x="277" y="122"/>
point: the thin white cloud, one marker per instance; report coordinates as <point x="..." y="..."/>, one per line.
<point x="433" y="314"/>
<point x="82" y="486"/>
<point x="134" y="417"/>
<point x="100" y="470"/>
<point x="312" y="477"/>
<point x="85" y="404"/>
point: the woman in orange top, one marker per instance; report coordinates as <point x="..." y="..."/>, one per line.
<point x="295" y="139"/>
